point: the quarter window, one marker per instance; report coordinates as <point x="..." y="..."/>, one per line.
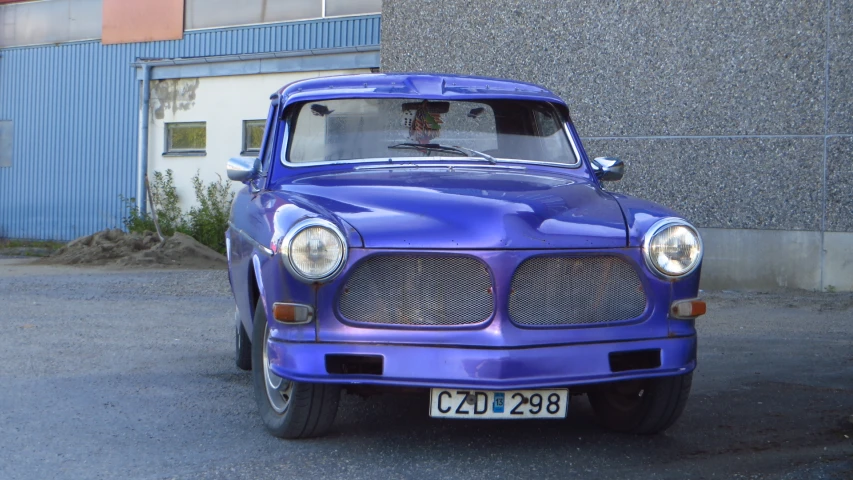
<point x="253" y="136"/>
<point x="186" y="139"/>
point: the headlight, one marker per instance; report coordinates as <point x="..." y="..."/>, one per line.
<point x="672" y="247"/>
<point x="314" y="250"/>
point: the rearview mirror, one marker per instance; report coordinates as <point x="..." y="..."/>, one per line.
<point x="243" y="169"/>
<point x="608" y="169"/>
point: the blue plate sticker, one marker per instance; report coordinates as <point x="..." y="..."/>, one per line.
<point x="498" y="404"/>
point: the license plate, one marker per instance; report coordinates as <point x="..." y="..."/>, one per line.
<point x="510" y="404"/>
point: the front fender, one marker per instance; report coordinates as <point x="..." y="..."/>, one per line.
<point x="640" y="215"/>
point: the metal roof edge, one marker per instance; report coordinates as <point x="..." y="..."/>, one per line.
<point x="155" y="62"/>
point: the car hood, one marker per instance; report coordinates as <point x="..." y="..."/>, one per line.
<point x="464" y="208"/>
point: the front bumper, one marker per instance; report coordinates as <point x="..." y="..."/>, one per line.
<point x="467" y="367"/>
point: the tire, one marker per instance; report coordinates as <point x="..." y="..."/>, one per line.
<point x="641" y="406"/>
<point x="243" y="352"/>
<point x="289" y="409"/>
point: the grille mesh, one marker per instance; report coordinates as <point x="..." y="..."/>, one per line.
<point x="418" y="290"/>
<point x="575" y="291"/>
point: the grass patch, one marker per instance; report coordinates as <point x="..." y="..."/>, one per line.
<point x="28" y="248"/>
<point x="12" y="243"/>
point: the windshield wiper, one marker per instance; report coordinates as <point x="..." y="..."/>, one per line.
<point x="445" y="148"/>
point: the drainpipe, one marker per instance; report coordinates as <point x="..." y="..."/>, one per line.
<point x="142" y="151"/>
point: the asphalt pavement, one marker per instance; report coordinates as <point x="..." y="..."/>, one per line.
<point x="130" y="374"/>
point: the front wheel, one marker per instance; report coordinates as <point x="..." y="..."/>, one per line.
<point x="288" y="409"/>
<point x="641" y="406"/>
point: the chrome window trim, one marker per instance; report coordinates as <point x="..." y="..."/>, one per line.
<point x="654" y="230"/>
<point x="286" y="163"/>
<point x="284" y="249"/>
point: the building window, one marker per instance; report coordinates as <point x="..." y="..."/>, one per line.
<point x="5" y="143"/>
<point x="228" y="13"/>
<point x="186" y="139"/>
<point x="336" y="8"/>
<point x="253" y="135"/>
<point x="49" y="21"/>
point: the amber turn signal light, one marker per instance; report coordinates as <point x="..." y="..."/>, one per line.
<point x="688" y="308"/>
<point x="292" y="313"/>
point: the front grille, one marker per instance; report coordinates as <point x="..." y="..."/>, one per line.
<point x="575" y="291"/>
<point x="418" y="290"/>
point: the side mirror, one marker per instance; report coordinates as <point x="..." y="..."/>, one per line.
<point x="243" y="169"/>
<point x="608" y="169"/>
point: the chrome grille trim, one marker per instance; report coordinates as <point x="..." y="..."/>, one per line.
<point x="418" y="290"/>
<point x="559" y="291"/>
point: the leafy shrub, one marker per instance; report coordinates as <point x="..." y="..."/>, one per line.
<point x="165" y="199"/>
<point x="206" y="222"/>
<point x="136" y="221"/>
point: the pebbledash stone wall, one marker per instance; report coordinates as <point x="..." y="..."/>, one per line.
<point x="738" y="114"/>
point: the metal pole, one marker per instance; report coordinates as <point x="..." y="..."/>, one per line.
<point x="142" y="141"/>
<point x="154" y="211"/>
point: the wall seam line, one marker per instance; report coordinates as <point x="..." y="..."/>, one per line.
<point x="825" y="144"/>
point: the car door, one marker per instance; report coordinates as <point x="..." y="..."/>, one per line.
<point x="250" y="230"/>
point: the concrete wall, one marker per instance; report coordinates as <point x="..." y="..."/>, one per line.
<point x="739" y="114"/>
<point x="223" y="103"/>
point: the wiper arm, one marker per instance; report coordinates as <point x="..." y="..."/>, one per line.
<point x="446" y="148"/>
<point x="469" y="151"/>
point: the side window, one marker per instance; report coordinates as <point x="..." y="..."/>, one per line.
<point x="185" y="139"/>
<point x="253" y="137"/>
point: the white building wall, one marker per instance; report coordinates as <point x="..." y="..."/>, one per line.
<point x="223" y="103"/>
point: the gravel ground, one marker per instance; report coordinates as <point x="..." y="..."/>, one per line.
<point x="130" y="374"/>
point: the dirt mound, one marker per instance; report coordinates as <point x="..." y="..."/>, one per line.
<point x="120" y="249"/>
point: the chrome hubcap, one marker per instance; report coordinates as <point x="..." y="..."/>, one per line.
<point x="278" y="389"/>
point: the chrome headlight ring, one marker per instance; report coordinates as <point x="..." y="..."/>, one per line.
<point x="287" y="243"/>
<point x="659" y="227"/>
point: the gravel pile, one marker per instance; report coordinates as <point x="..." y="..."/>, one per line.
<point x="119" y="249"/>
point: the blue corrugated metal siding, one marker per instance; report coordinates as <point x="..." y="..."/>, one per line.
<point x="75" y="113"/>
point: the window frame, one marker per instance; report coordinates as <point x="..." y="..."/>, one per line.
<point x="169" y="151"/>
<point x="245" y="151"/>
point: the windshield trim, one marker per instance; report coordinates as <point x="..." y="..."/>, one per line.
<point x="285" y="147"/>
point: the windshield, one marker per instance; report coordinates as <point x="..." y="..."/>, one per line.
<point x="375" y="129"/>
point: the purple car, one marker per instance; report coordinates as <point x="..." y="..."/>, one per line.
<point x="450" y="234"/>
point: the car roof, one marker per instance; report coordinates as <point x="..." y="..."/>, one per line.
<point x="413" y="85"/>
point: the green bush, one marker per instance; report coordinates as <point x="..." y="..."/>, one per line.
<point x="165" y="199"/>
<point x="206" y="222"/>
<point x="135" y="221"/>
